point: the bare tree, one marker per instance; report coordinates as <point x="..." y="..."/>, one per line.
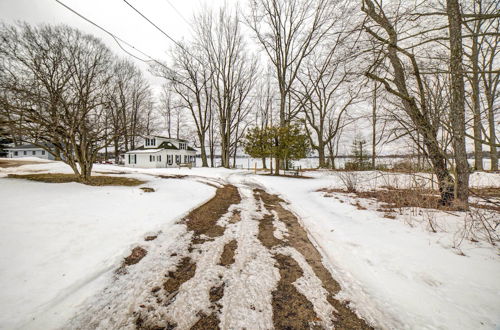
<point x="190" y="79"/>
<point x="457" y="104"/>
<point x="491" y="83"/>
<point x="232" y="72"/>
<point x="130" y="102"/>
<point x="264" y="106"/>
<point x="325" y="94"/>
<point x="403" y="78"/>
<point x="288" y="31"/>
<point x="52" y="84"/>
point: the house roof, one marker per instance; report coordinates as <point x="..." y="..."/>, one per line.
<point x="164" y="137"/>
<point x="30" y="146"/>
<point x="163" y="145"/>
<point x="143" y="151"/>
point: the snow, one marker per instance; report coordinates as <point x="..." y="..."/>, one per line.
<point x="397" y="276"/>
<point x="61" y="243"/>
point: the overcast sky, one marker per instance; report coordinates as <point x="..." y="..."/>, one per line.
<point x="118" y="18"/>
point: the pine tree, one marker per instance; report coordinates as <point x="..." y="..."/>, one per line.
<point x="360" y="156"/>
<point x="287" y="142"/>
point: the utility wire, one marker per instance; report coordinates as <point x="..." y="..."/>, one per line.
<point x="117" y="39"/>
<point x="156" y="26"/>
<point x="164" y="33"/>
<point x="178" y="12"/>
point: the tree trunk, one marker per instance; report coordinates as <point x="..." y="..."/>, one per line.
<point x="264" y="166"/>
<point x="277" y="168"/>
<point x="117" y="156"/>
<point x="204" y="162"/>
<point x="374" y="123"/>
<point x="321" y="155"/>
<point x="457" y="104"/>
<point x="491" y="126"/>
<point x="476" y="107"/>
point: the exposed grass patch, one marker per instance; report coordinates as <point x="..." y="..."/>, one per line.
<point x="135" y="256"/>
<point x="288" y="176"/>
<point x="392" y="198"/>
<point x="227" y="257"/>
<point x="486" y="192"/>
<point x="203" y="220"/>
<point x="290" y="310"/>
<point x="4" y="163"/>
<point x="100" y="180"/>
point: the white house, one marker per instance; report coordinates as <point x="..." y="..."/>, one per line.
<point x="28" y="150"/>
<point x="159" y="151"/>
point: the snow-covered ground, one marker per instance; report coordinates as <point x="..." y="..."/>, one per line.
<point x="395" y="272"/>
<point x="61" y="243"/>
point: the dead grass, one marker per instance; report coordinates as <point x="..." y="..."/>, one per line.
<point x="486" y="192"/>
<point x="184" y="272"/>
<point x="227" y="256"/>
<point x="291" y="309"/>
<point x="203" y="219"/>
<point x="100" y="180"/>
<point x="344" y="317"/>
<point x="392" y="198"/>
<point x="4" y="163"/>
<point x="137" y="254"/>
<point x="288" y="176"/>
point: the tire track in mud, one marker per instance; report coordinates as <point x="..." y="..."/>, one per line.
<point x="248" y="263"/>
<point x="289" y="308"/>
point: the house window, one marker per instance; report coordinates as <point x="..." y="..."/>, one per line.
<point x="43" y="152"/>
<point x="25" y="153"/>
<point x="132" y="159"/>
<point x="177" y="159"/>
<point x="182" y="146"/>
<point x="151" y="158"/>
<point x="147" y="142"/>
<point x="158" y="158"/>
<point x="15" y="153"/>
<point x="33" y="152"/>
<point x="170" y="159"/>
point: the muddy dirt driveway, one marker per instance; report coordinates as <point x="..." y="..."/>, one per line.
<point x="240" y="261"/>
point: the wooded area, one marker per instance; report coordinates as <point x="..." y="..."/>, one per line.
<point x="420" y="75"/>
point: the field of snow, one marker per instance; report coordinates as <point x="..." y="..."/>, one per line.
<point x="395" y="272"/>
<point x="250" y="163"/>
<point x="61" y="243"/>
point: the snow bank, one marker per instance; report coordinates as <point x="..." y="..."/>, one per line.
<point x="395" y="275"/>
<point x="60" y="243"/>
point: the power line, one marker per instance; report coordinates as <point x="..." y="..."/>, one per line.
<point x="156" y="26"/>
<point x="178" y="12"/>
<point x="117" y="39"/>
<point x="164" y="33"/>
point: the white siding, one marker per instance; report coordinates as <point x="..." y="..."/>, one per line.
<point x="143" y="158"/>
<point x="20" y="153"/>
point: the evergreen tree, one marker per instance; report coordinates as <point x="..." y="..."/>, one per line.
<point x="360" y="156"/>
<point x="287" y="142"/>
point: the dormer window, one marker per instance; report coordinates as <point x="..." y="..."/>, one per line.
<point x="150" y="142"/>
<point x="182" y="146"/>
